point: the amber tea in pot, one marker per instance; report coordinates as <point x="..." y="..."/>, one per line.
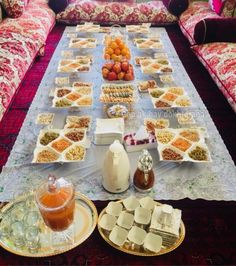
<point x="56" y="202"/>
<point x="144" y="175"/>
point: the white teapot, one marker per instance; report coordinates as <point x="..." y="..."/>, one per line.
<point x="116" y="169"/>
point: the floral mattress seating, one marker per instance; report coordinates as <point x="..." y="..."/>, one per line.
<point x="22" y="38"/>
<point x="79" y="11"/>
<point x="219" y="58"/>
<point x="211" y="31"/>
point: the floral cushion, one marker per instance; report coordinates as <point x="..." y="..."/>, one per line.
<point x="14" y="8"/>
<point x="220" y="61"/>
<point x="107" y="13"/>
<point x="189" y="18"/>
<point x="20" y="41"/>
<point x="228" y="8"/>
<point x="36" y="22"/>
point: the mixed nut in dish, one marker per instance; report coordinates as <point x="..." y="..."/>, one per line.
<point x="169" y="97"/>
<point x="76" y="96"/>
<point x="60" y="145"/>
<point x="182" y="144"/>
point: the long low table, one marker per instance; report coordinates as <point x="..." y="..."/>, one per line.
<point x="211" y="181"/>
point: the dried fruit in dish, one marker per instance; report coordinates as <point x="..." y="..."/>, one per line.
<point x="184" y="101"/>
<point x="191" y="135"/>
<point x="169" y="154"/>
<point x="176" y="90"/>
<point x="181" y="144"/>
<point x="161" y="104"/>
<point x="146" y="85"/>
<point x="81" y="84"/>
<point x="63" y="103"/>
<point x="185" y="118"/>
<point x="198" y="154"/>
<point x="62" y="92"/>
<point x="46" y="156"/>
<point x="83" y="43"/>
<point x="73" y="96"/>
<point x="85" y="101"/>
<point x="78" y="122"/>
<point x="169" y="97"/>
<point x="45" y="118"/>
<point x="152" y="124"/>
<point x="76" y="153"/>
<point x="166" y="79"/>
<point x="60" y="145"/>
<point x="84" y="90"/>
<point x="75" y="135"/>
<point x="48" y="137"/>
<point x="164" y="136"/>
<point x="138" y="58"/>
<point x="156" y="93"/>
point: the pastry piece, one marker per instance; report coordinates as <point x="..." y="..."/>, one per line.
<point x="144" y="86"/>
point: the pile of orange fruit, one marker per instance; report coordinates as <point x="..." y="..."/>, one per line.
<point x="116" y="50"/>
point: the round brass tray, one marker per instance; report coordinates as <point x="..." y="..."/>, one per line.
<point x="140" y="252"/>
<point x="53" y="243"/>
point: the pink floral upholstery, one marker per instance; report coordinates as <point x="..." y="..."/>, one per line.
<point x="14" y="8"/>
<point x="107" y="13"/>
<point x="229" y="8"/>
<point x="20" y="41"/>
<point x="189" y="18"/>
<point x="220" y="61"/>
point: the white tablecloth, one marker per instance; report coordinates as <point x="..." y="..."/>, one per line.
<point x="211" y="181"/>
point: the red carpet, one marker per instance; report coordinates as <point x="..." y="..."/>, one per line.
<point x="210" y="227"/>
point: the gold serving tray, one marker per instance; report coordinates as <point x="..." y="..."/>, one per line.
<point x="142" y="252"/>
<point x="53" y="243"/>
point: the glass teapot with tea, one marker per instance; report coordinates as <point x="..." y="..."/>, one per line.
<point x="144" y="176"/>
<point x="56" y="201"/>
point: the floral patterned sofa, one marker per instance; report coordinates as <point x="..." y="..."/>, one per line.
<point x="116" y="13"/>
<point x="219" y="58"/>
<point x="21" y="40"/>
